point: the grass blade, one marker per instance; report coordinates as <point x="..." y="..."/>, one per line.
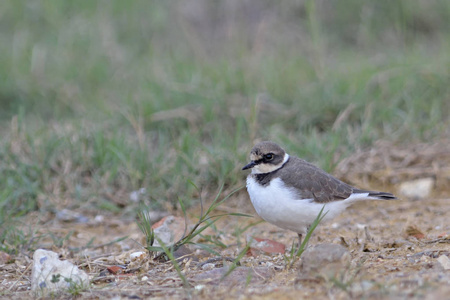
<point x="169" y="252"/>
<point x="294" y="255"/>
<point x="235" y="263"/>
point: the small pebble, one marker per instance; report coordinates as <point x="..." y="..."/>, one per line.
<point x="137" y="255"/>
<point x="444" y="261"/>
<point x="208" y="266"/>
<point x="99" y="219"/>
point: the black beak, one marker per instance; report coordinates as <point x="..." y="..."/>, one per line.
<point x="249" y="166"/>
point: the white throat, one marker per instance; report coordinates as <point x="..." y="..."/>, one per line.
<point x="267" y="168"/>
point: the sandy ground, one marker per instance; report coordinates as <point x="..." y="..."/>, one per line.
<point x="394" y="248"/>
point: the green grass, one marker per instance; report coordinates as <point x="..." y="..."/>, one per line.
<point x="102" y="99"/>
<point x="294" y="253"/>
<point x="206" y="220"/>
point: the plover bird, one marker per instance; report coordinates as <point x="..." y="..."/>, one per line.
<point x="289" y="192"/>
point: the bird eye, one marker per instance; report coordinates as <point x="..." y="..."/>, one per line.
<point x="268" y="156"/>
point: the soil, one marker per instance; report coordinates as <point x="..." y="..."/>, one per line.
<point x="397" y="249"/>
<point x="394" y="249"/>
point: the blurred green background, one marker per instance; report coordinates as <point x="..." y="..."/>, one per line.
<point x="102" y="98"/>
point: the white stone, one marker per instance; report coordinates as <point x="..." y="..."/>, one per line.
<point x="444" y="261"/>
<point x="135" y="196"/>
<point x="137" y="255"/>
<point x="419" y="188"/>
<point x="99" y="219"/>
<point x="335" y="225"/>
<point x="361" y="287"/>
<point x="50" y="274"/>
<point x="208" y="266"/>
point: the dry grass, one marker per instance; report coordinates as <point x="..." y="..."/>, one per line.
<point x="387" y="165"/>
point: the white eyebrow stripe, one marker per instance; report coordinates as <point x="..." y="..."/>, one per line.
<point x="267" y="168"/>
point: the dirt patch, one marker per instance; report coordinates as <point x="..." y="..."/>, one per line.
<point x="386" y="261"/>
<point x="398" y="249"/>
<point x="387" y="165"/>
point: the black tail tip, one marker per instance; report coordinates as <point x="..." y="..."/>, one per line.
<point x="383" y="195"/>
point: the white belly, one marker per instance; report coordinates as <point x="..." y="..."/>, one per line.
<point x="279" y="205"/>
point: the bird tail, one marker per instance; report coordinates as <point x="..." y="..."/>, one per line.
<point x="378" y="195"/>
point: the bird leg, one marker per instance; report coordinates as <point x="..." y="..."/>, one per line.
<point x="300" y="236"/>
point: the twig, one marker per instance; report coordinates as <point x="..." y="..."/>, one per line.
<point x="20" y="277"/>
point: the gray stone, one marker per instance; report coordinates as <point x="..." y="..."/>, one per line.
<point x="326" y="260"/>
<point x="67" y="215"/>
<point x="169" y="230"/>
<point x="50" y="274"/>
<point x="239" y="276"/>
